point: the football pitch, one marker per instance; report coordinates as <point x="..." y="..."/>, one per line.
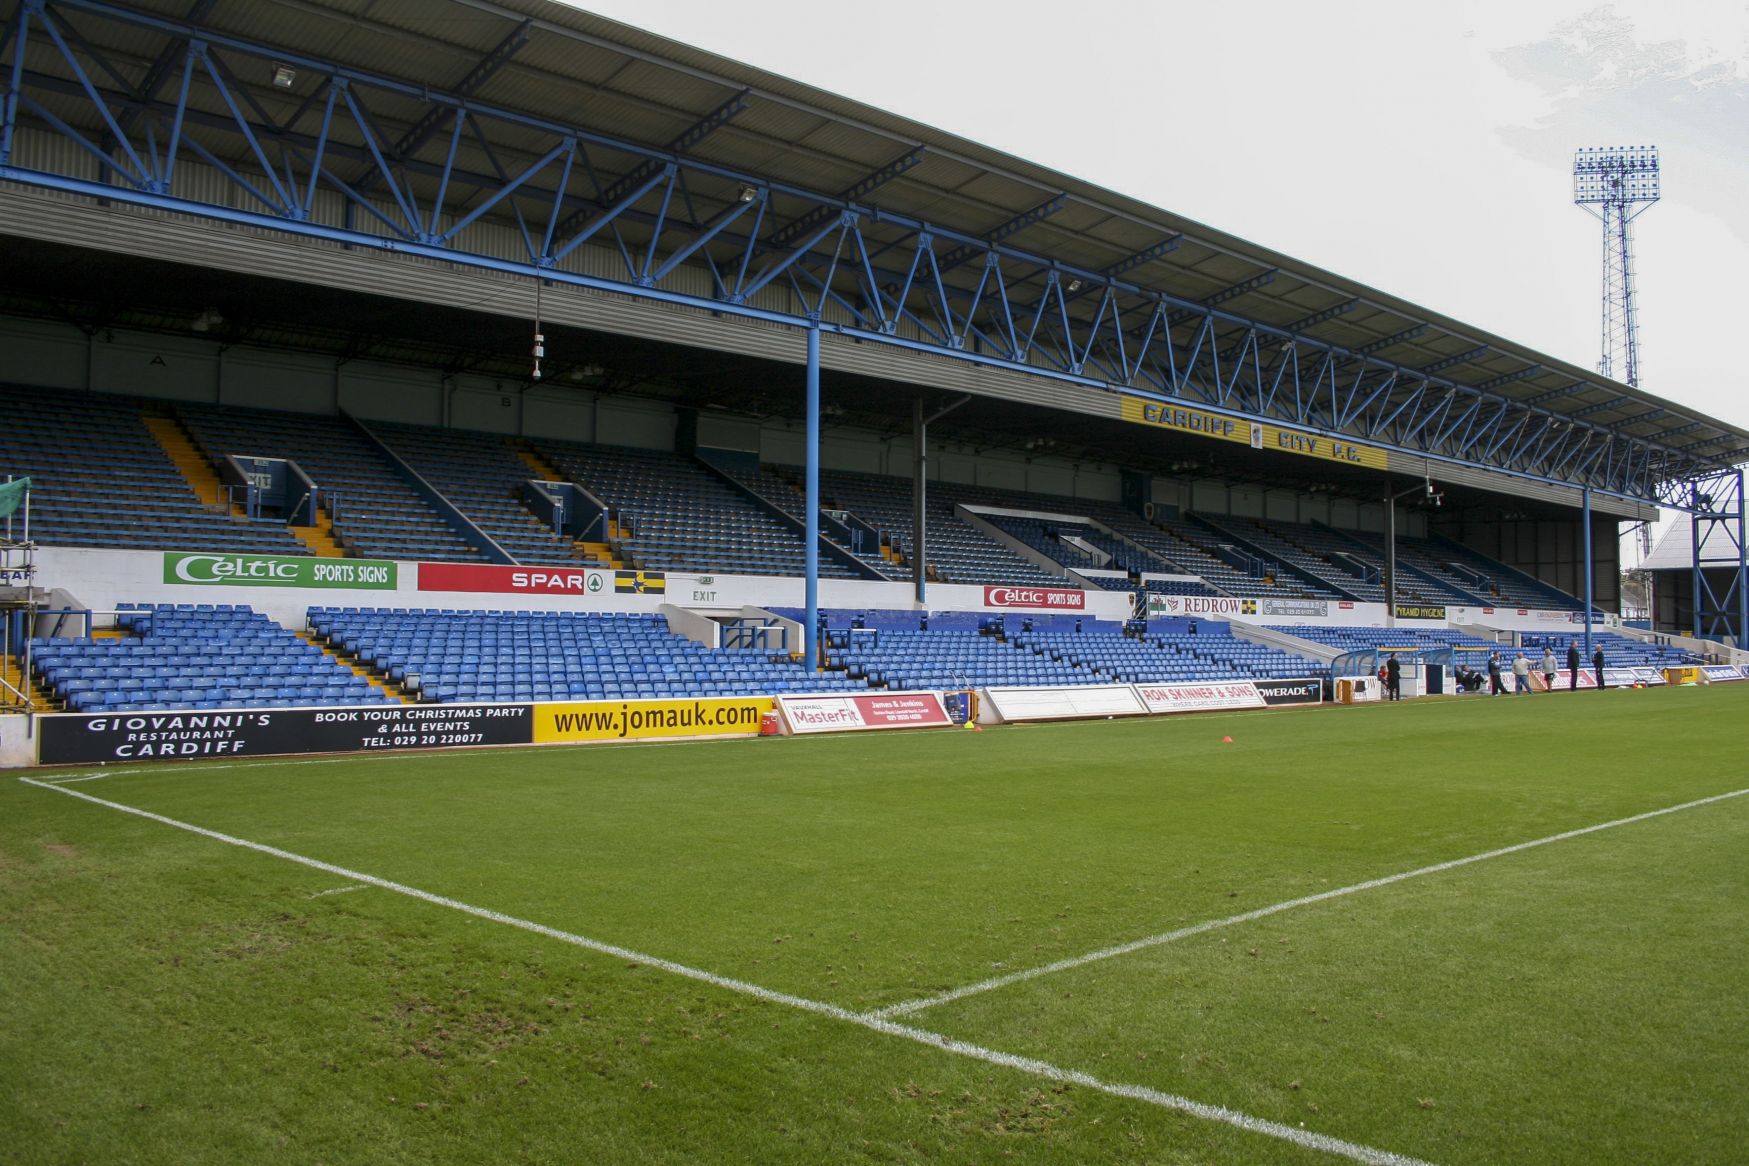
<point x="1452" y="931"/>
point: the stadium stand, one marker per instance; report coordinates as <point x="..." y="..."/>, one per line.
<point x="1196" y="546"/>
<point x="957" y="552"/>
<point x="1400" y="639"/>
<point x="673" y="512"/>
<point x="784" y="493"/>
<point x="450" y="656"/>
<point x="376" y="512"/>
<point x="205" y="656"/>
<point x="1052" y="538"/>
<point x="674" y="515"/>
<point x="482" y="475"/>
<point x="1619" y="651"/>
<point x="948" y="658"/>
<point x="1220" y="655"/>
<point x="103" y="480"/>
<point x="1164" y="545"/>
<point x="1331" y="560"/>
<point x="1504" y="585"/>
<point x="890" y="649"/>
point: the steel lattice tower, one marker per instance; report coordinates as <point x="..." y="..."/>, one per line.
<point x="1616" y="183"/>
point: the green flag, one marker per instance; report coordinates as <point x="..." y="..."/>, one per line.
<point x="12" y="495"/>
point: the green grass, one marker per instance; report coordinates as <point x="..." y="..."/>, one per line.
<point x="174" y="999"/>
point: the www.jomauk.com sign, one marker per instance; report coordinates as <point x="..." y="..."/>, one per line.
<point x="731" y="716"/>
<point x="277" y="571"/>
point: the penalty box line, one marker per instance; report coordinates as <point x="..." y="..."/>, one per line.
<point x="1215" y="1113"/>
<point x="907" y="1008"/>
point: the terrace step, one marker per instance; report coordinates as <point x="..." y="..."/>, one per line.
<point x="320" y="537"/>
<point x="194" y="468"/>
<point x="543" y="469"/>
<point x="601" y="553"/>
<point x="376" y="679"/>
<point x="592" y="553"/>
<point x="36" y="697"/>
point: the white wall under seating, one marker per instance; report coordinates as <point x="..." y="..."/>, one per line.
<point x="101" y="579"/>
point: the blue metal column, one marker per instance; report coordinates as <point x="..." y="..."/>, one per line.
<point x="9" y="107"/>
<point x="1742" y="565"/>
<point x="1695" y="537"/>
<point x="1585" y="511"/>
<point x="811" y="628"/>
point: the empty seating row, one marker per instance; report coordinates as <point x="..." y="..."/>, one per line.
<point x="101" y="479"/>
<point x="193" y="658"/>
<point x="677" y="515"/>
<point x="483" y="475"/>
<point x="377" y="513"/>
<point x="448" y="656"/>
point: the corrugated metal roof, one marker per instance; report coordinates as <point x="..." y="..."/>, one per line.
<point x="596" y="74"/>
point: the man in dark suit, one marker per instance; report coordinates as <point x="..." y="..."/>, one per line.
<point x="1573" y="663"/>
<point x="1597" y="664"/>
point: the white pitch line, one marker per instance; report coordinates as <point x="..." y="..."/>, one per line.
<point x="135" y="769"/>
<point x="909" y="1007"/>
<point x="1215" y="1113"/>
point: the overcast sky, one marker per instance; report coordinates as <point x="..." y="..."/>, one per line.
<point x="1424" y="149"/>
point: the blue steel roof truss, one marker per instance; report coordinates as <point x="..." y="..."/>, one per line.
<point x="1718" y="512"/>
<point x="836" y="261"/>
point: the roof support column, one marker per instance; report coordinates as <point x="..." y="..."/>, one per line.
<point x="1742" y="565"/>
<point x="1696" y="534"/>
<point x="1390" y="556"/>
<point x="1585" y="521"/>
<point x="919" y="486"/>
<point x="9" y="106"/>
<point x="920" y="493"/>
<point x="811" y="561"/>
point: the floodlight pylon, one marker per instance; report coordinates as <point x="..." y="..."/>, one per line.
<point x="1616" y="184"/>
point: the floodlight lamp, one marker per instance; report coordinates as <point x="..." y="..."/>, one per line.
<point x="1074" y="285"/>
<point x="283" y="76"/>
<point x="749" y="193"/>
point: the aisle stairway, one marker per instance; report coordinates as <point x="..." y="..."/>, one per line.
<point x="376" y="679"/>
<point x="320" y="537"/>
<point x="36" y="697"/>
<point x="597" y="553"/>
<point x="194" y="468"/>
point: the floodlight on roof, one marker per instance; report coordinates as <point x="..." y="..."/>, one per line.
<point x="749" y="193"/>
<point x="1074" y="285"/>
<point x="283" y="76"/>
